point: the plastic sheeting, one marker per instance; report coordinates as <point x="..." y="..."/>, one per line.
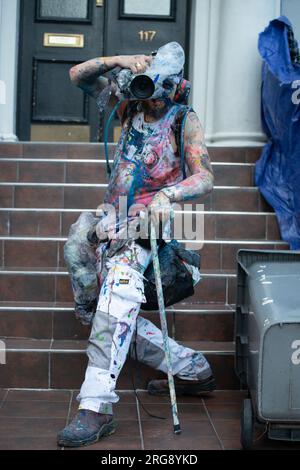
<point x="277" y="172"/>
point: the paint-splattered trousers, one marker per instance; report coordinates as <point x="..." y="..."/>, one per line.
<point x="118" y="329"/>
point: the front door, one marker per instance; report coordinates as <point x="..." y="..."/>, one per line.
<point x="56" y="34"/>
<point x="142" y="26"/>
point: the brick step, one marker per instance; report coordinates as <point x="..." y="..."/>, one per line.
<point x="70" y="196"/>
<point x="30" y="170"/>
<point x="29" y="252"/>
<point x="218" y="225"/>
<point x="91" y="151"/>
<point x="46" y="364"/>
<point x="206" y="322"/>
<point x="36" y="285"/>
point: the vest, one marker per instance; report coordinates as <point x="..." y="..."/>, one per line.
<point x="145" y="161"/>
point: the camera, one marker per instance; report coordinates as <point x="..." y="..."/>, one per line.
<point x="134" y="87"/>
<point x="157" y="81"/>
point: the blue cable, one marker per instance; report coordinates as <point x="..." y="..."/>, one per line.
<point x="106" y="131"/>
<point x="189" y="109"/>
<point x="182" y="143"/>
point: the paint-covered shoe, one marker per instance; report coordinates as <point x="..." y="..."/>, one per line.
<point x="182" y="387"/>
<point x="87" y="427"/>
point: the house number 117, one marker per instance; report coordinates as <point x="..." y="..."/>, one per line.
<point x="147" y="35"/>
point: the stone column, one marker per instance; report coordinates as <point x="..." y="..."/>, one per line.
<point x="226" y="68"/>
<point x="9" y="45"/>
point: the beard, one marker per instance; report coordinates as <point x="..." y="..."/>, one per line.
<point x="155" y="109"/>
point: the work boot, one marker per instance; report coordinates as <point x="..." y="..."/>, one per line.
<point x="87" y="427"/>
<point x="182" y="387"/>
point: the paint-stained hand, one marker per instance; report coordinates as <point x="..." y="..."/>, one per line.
<point x="136" y="63"/>
<point x="160" y="210"/>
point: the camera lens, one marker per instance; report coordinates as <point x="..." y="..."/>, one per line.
<point x="142" y="87"/>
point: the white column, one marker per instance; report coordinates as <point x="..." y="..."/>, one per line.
<point x="290" y="8"/>
<point x="9" y="42"/>
<point x="226" y="68"/>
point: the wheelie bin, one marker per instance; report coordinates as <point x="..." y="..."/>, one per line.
<point x="267" y="337"/>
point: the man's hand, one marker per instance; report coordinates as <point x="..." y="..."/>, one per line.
<point x="136" y="63"/>
<point x="160" y="210"/>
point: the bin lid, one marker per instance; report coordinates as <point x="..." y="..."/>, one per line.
<point x="275" y="288"/>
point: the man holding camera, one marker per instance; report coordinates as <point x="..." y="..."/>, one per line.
<point x="147" y="170"/>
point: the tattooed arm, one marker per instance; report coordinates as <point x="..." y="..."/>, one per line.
<point x="201" y="180"/>
<point x="89" y="75"/>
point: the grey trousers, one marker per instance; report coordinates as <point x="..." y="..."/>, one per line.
<point x="116" y="320"/>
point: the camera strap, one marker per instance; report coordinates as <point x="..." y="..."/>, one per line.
<point x="179" y="130"/>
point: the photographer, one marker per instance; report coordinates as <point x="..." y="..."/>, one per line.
<point x="147" y="170"/>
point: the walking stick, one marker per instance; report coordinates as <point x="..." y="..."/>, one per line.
<point x="164" y="327"/>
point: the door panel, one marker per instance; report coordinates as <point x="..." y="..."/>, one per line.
<point x="52" y="105"/>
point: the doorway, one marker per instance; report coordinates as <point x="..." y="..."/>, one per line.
<point x="57" y="34"/>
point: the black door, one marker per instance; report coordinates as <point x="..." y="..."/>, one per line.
<point x="142" y="26"/>
<point x="56" y="34"/>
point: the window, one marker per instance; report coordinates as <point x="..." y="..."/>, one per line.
<point x="163" y="9"/>
<point x="63" y="10"/>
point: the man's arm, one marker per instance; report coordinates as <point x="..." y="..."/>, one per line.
<point x="89" y="75"/>
<point x="201" y="180"/>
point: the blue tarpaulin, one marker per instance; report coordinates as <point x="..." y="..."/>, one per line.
<point x="277" y="172"/>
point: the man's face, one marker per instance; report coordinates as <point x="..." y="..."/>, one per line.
<point x="154" y="105"/>
<point x="158" y="107"/>
<point x="154" y="108"/>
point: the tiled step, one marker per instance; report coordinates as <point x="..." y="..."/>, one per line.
<point x="54" y="150"/>
<point x="33" y="170"/>
<point x="218" y="225"/>
<point x="29" y="252"/>
<point x="206" y="322"/>
<point x="91" y="151"/>
<point x="90" y="196"/>
<point x="45" y="364"/>
<point x="36" y="285"/>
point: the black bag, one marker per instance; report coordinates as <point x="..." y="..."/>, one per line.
<point x="177" y="281"/>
